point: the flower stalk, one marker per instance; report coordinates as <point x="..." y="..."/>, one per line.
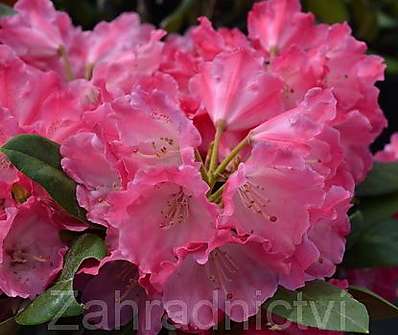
<point x="234" y="153"/>
<point x="214" y="153"/>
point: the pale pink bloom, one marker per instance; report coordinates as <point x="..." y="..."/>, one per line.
<point x="60" y="114"/>
<point x="110" y="40"/>
<point x="300" y="72"/>
<point x="236" y="91"/>
<point x="304" y="256"/>
<point x="208" y="43"/>
<point x="183" y="54"/>
<point x="390" y="151"/>
<point x="39" y="102"/>
<point x="305" y="129"/>
<point x="271" y="195"/>
<point x="90" y="162"/>
<point x="329" y="229"/>
<point x="328" y="57"/>
<point x="23" y="88"/>
<point x="278" y="24"/>
<point x="301" y="124"/>
<point x="217" y="283"/>
<point x="118" y="75"/>
<point x="39" y="34"/>
<point x="323" y="245"/>
<point x="326" y="155"/>
<point x="148" y="128"/>
<point x="170" y="207"/>
<point x="31" y="250"/>
<point x="115" y="283"/>
<point x="180" y="62"/>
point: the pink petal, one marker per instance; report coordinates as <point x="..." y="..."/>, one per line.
<point x="32" y="252"/>
<point x="234" y="278"/>
<point x="236" y="91"/>
<point x="180" y="216"/>
<point x="390" y="152"/>
<point x="277" y="24"/>
<point x="270" y="195"/>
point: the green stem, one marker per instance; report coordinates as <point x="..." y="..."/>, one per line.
<point x="216" y="196"/>
<point x="208" y="155"/>
<point x="224" y="164"/>
<point x="203" y="171"/>
<point x="67" y="65"/>
<point x="214" y="153"/>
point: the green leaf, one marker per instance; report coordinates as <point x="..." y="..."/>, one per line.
<point x="6" y="10"/>
<point x="383" y="179"/>
<point x="378" y="307"/>
<point x="39" y="159"/>
<point x="357" y="226"/>
<point x="377" y="246"/>
<point x="59" y="300"/>
<point x="330" y="11"/>
<point x="322" y="306"/>
<point x="378" y="209"/>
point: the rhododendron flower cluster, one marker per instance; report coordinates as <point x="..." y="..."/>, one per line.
<point x="222" y="165"/>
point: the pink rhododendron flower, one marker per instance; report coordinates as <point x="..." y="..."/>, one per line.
<point x="180" y="216"/>
<point x="235" y="90"/>
<point x="114" y="284"/>
<point x="208" y="42"/>
<point x="91" y="163"/>
<point x="124" y="34"/>
<point x="300" y="125"/>
<point x="328" y="231"/>
<point x="141" y="60"/>
<point x="219" y="165"/>
<point x="39" y="102"/>
<point x="255" y="195"/>
<point x="40" y="35"/>
<point x="328" y="57"/>
<point x="217" y="281"/>
<point x="278" y="24"/>
<point x="31" y="250"/>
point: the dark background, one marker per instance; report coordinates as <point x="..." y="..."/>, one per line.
<point x="374" y="21"/>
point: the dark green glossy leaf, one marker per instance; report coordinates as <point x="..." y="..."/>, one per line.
<point x="357" y="226"/>
<point x="378" y="307"/>
<point x="377" y="246"/>
<point x="378" y="209"/>
<point x="383" y="179"/>
<point x="60" y="300"/>
<point x="39" y="159"/>
<point x="323" y="306"/>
